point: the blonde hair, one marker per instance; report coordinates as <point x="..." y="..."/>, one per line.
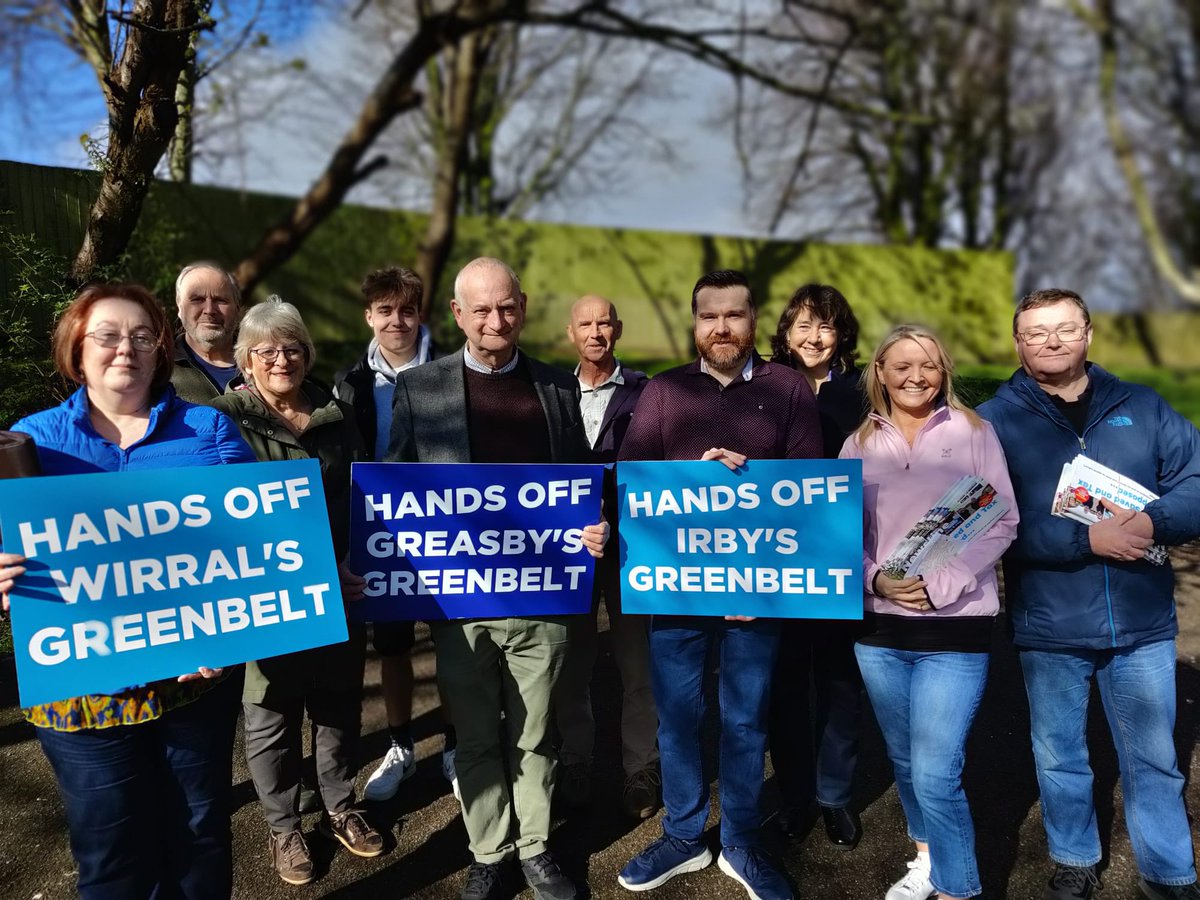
<point x="272" y="320"/>
<point x="877" y="395"/>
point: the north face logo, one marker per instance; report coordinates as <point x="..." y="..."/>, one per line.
<point x="1120" y="421"/>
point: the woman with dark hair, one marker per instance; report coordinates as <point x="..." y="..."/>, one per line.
<point x="814" y="750"/>
<point x="144" y="773"/>
<point x="283" y="414"/>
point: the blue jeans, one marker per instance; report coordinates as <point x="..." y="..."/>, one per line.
<point x="925" y="703"/>
<point x="1137" y="688"/>
<point x="679" y="650"/>
<point x="148" y="805"/>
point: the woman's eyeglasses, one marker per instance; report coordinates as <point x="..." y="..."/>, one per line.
<point x="270" y="354"/>
<point x="141" y="341"/>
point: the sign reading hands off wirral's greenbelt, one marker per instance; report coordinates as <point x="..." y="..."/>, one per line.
<point x="138" y="577"/>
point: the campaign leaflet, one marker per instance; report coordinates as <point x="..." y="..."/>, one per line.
<point x="968" y="509"/>
<point x="1085" y="482"/>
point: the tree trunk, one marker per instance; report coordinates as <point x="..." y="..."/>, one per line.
<point x="464" y="66"/>
<point x="182" y="149"/>
<point x="141" y="119"/>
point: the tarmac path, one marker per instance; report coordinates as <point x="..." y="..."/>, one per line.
<point x="427" y="854"/>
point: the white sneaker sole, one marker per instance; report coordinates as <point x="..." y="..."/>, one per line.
<point x="376" y="791"/>
<point x="695" y="864"/>
<point x="724" y="866"/>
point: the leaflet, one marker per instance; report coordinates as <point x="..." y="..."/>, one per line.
<point x="965" y="512"/>
<point x="1085" y="482"/>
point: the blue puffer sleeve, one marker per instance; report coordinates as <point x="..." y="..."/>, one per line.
<point x="1176" y="514"/>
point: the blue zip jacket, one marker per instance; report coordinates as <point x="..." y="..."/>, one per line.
<point x="179" y="434"/>
<point x="1058" y="593"/>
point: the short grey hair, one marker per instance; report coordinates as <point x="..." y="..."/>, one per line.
<point x="273" y="320"/>
<point x="235" y="290"/>
<point x="484" y="262"/>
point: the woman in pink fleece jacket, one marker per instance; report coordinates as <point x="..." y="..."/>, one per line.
<point x="925" y="657"/>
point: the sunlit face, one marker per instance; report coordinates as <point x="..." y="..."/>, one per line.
<point x="123" y="369"/>
<point x="724" y="325"/>
<point x="1057" y="360"/>
<point x="490" y="311"/>
<point x="208" y="311"/>
<point x="594" y="329"/>
<point x="396" y="323"/>
<point x="812" y="342"/>
<point x="912" y="375"/>
<point x="282" y="376"/>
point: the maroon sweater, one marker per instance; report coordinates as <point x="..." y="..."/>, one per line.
<point x="505" y="419"/>
<point x="684" y="412"/>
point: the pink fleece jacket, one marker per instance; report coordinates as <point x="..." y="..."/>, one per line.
<point x="900" y="483"/>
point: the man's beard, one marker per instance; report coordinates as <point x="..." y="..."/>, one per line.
<point x="726" y="353"/>
<point x="209" y="335"/>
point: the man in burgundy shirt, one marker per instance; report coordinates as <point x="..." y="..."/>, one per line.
<point x="491" y="403"/>
<point x="750" y="409"/>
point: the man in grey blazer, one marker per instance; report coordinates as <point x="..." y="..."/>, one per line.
<point x="492" y="403"/>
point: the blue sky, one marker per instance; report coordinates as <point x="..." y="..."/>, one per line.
<point x="58" y="102"/>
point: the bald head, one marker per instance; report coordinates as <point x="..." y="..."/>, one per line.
<point x="485" y="268"/>
<point x="594" y="329"/>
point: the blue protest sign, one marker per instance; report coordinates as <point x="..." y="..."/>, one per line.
<point x="778" y="538"/>
<point x="139" y="576"/>
<point x="472" y="540"/>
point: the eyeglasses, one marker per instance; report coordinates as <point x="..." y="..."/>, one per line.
<point x="141" y="341"/>
<point x="1068" y="334"/>
<point x="270" y="354"/>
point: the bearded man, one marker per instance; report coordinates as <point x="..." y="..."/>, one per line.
<point x="209" y="303"/>
<point x="750" y="409"/>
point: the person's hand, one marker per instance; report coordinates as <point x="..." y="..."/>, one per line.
<point x="11" y="565"/>
<point x="1124" y="536"/>
<point x="731" y="458"/>
<point x="907" y="593"/>
<point x="740" y="618"/>
<point x="594" y="538"/>
<point x="353" y="586"/>
<point x="204" y="672"/>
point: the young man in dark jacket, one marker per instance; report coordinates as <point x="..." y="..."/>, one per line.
<point x="392" y="308"/>
<point x="1084" y="603"/>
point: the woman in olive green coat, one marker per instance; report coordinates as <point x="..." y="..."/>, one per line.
<point x="283" y="414"/>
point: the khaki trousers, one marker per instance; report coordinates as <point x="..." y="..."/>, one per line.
<point x="505" y="767"/>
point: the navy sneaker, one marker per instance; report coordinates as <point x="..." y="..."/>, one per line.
<point x="662" y="861"/>
<point x="756" y="873"/>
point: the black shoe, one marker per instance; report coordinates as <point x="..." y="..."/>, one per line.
<point x="485" y="881"/>
<point x="794" y="822"/>
<point x="1072" y="883"/>
<point x="1156" y="891"/>
<point x="842" y="825"/>
<point x="309" y="802"/>
<point x="546" y="878"/>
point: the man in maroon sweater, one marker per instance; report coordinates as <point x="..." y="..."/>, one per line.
<point x="490" y="402"/>
<point x="749" y="409"/>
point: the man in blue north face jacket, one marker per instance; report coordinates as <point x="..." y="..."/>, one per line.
<point x="1084" y="603"/>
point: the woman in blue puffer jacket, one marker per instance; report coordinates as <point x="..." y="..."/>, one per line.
<point x="144" y="774"/>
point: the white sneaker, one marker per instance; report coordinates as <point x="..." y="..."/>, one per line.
<point x="398" y="764"/>
<point x="916" y="884"/>
<point x="448" y="771"/>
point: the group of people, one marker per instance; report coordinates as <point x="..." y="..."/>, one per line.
<point x="145" y="773"/>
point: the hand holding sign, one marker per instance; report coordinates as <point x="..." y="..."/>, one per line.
<point x="11" y="565"/>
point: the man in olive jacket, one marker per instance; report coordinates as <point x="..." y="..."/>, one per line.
<point x="209" y="303"/>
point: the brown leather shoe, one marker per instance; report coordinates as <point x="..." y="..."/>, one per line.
<point x="353" y="832"/>
<point x="290" y="857"/>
